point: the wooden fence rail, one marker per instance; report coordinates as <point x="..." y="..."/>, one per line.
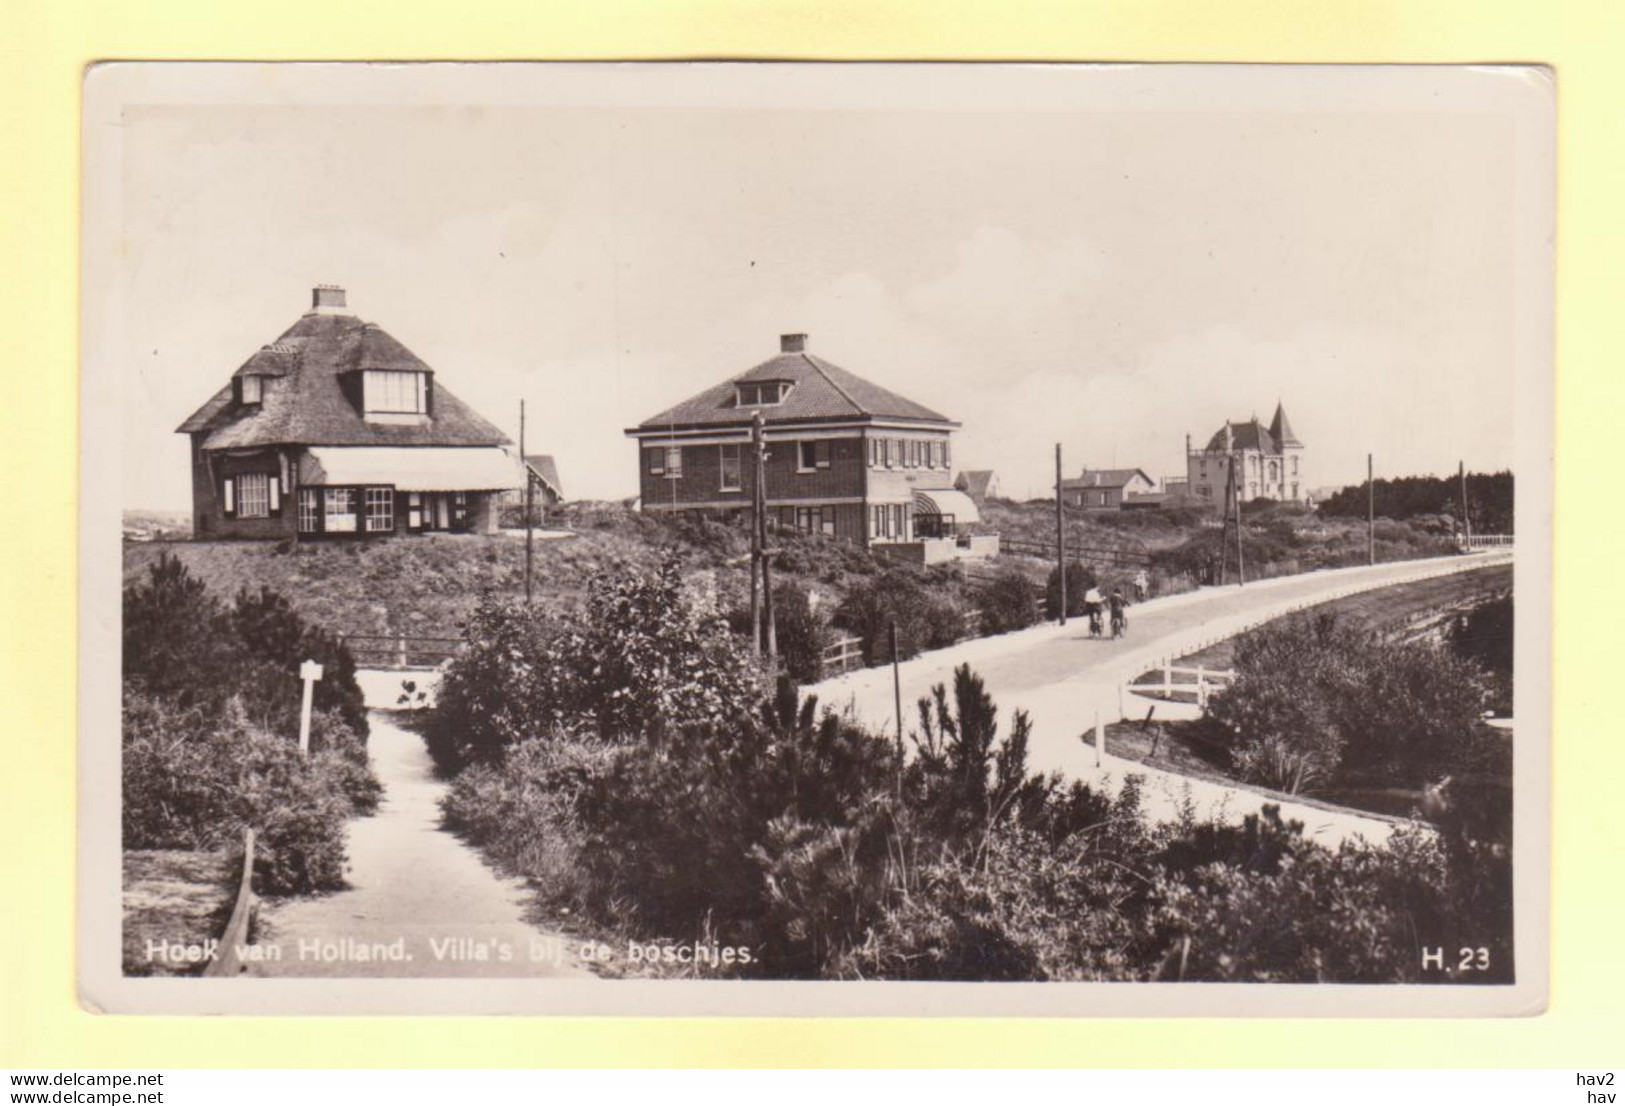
<point x="843" y="655"/>
<point x="1046" y="550"/>
<point x="401" y="650"/>
<point x="1205" y="681"/>
<point x="227" y="962"/>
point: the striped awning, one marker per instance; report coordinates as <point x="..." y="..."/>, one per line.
<point x="946" y="501"/>
<point x="412" y="468"/>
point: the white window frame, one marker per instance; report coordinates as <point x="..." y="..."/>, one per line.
<point x="393" y="392"/>
<point x="253" y="388"/>
<point x="738" y="482"/>
<point x="378" y="510"/>
<point x="339" y="521"/>
<point x="253" y="495"/>
<point x="673" y="462"/>
<point x="803" y="450"/>
<point x="310" y="510"/>
<point x="778" y="390"/>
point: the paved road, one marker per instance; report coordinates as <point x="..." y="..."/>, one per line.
<point x="417" y="894"/>
<point x="1064" y="679"/>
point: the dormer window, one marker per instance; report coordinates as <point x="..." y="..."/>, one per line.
<point x="763" y="393"/>
<point x="394" y="392"/>
<point x="253" y="388"/>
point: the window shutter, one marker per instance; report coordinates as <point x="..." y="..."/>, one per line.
<point x="228" y="496"/>
<point x="275" y="486"/>
<point x="657" y="462"/>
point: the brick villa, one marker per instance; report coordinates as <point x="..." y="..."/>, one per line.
<point x="337" y="430"/>
<point x="846" y="457"/>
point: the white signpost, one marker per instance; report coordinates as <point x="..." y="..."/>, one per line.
<point x="309" y="672"/>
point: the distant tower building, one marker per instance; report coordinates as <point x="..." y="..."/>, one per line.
<point x="1269" y="462"/>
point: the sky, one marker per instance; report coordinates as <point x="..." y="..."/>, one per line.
<point x="1107" y="279"/>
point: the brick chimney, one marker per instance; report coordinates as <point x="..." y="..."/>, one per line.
<point x="792" y="343"/>
<point x="328" y="299"/>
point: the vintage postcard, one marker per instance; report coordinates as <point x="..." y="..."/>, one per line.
<point x="816" y="539"/>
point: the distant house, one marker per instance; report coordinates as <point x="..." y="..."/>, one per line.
<point x="1174" y="492"/>
<point x="544" y="476"/>
<point x="979" y="484"/>
<point x="1269" y="462"/>
<point x="846" y="457"/>
<point x="337" y="430"/>
<point x="1105" y="489"/>
<point x="546" y="489"/>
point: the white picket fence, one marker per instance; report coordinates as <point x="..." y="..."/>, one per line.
<point x="1205" y="681"/>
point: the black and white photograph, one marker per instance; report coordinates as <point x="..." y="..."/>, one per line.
<point x="768" y="538"/>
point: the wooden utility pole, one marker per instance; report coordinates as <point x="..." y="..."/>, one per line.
<point x="1466" y="521"/>
<point x="1241" y="549"/>
<point x="767" y="588"/>
<point x="1060" y="535"/>
<point x="756" y="535"/>
<point x="1370" y="510"/>
<point x="761" y="575"/>
<point x="896" y="685"/>
<point x="529" y="491"/>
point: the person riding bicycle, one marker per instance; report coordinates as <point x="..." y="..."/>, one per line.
<point x="1119" y="607"/>
<point x="1093" y="602"/>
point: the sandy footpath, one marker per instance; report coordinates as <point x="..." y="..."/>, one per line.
<point x="419" y="903"/>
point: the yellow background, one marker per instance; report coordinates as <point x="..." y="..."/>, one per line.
<point x="46" y="44"/>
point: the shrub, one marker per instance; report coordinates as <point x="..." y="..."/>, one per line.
<point x="1308" y="915"/>
<point x="211" y="716"/>
<point x="182" y="644"/>
<point x="639" y="659"/>
<point x="1079" y="579"/>
<point x="801" y="632"/>
<point x="926" y="617"/>
<point x="523" y="811"/>
<point x="1313" y="700"/>
<point x="1414" y="715"/>
<point x="1276" y="716"/>
<point x="1028" y="905"/>
<point x="966" y="778"/>
<point x="1007" y="602"/>
<point x="175" y="642"/>
<point x="274" y="635"/>
<point x="806" y="839"/>
<point x="1484" y="635"/>
<point x="193" y="781"/>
